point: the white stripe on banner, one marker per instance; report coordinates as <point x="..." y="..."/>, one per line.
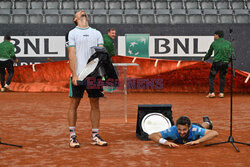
<point x="247" y="78"/>
<point x="156" y="62"/>
<point x="133" y="61"/>
<point x="178" y="64"/>
<point x="33" y="68"/>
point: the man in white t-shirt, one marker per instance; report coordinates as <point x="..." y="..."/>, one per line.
<point x="79" y="42"/>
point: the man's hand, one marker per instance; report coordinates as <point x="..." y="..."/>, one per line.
<point x="74" y="79"/>
<point x="203" y="59"/>
<point x="171" y="144"/>
<point x="192" y="143"/>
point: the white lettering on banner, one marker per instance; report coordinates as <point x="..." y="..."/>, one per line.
<point x="28" y="63"/>
<point x="173" y="46"/>
<point x="179" y="46"/>
<point x="38" y="46"/>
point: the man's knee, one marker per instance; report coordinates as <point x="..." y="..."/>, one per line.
<point x="11" y="74"/>
<point x="94" y="101"/>
<point x="74" y="102"/>
<point x="212" y="73"/>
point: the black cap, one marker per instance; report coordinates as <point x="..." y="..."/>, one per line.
<point x="7" y="37"/>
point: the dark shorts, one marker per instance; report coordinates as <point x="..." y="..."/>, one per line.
<point x="78" y="91"/>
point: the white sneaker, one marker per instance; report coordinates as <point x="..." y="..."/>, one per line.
<point x="2" y="89"/>
<point x="97" y="140"/>
<point x="7" y="87"/>
<point x="211" y="95"/>
<point x="221" y="95"/>
<point x="73" y="143"/>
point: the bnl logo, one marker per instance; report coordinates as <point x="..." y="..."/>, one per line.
<point x="141" y="45"/>
<point x="137" y="45"/>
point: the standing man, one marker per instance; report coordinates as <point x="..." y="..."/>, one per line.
<point x="185" y="133"/>
<point x="79" y="43"/>
<point x="7" y="59"/>
<point x="222" y="51"/>
<point x="109" y="41"/>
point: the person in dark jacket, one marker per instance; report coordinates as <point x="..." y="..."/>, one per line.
<point x="222" y="50"/>
<point x="7" y="59"/>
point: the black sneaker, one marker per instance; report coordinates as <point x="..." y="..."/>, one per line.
<point x="206" y="119"/>
<point x="73" y="143"/>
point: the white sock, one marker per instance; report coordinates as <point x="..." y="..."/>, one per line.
<point x="95" y="132"/>
<point x="72" y="131"/>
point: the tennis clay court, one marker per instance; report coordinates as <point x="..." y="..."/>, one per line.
<point x="38" y="121"/>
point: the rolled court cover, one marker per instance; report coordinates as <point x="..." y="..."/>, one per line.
<point x="153" y="118"/>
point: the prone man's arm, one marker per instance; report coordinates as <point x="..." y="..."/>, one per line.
<point x="157" y="136"/>
<point x="209" y="134"/>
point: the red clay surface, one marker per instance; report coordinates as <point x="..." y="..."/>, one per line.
<point x="38" y="121"/>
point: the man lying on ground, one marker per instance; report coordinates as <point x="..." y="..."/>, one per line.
<point x="185" y="133"/>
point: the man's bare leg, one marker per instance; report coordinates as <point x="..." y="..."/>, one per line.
<point x="94" y="112"/>
<point x="72" y="113"/>
<point x="95" y="121"/>
<point x="72" y="118"/>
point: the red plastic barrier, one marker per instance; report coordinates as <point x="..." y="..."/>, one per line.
<point x="173" y="76"/>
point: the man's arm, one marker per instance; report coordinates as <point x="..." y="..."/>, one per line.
<point x="209" y="53"/>
<point x="12" y="53"/>
<point x="108" y="44"/>
<point x="112" y="52"/>
<point x="72" y="64"/>
<point x="156" y="138"/>
<point x="209" y="134"/>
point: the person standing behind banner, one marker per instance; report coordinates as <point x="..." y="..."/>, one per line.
<point x="7" y="59"/>
<point x="79" y="43"/>
<point x="109" y="41"/>
<point x="222" y="51"/>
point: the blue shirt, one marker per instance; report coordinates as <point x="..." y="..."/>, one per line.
<point x="194" y="133"/>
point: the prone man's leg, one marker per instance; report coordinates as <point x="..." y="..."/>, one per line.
<point x="205" y="125"/>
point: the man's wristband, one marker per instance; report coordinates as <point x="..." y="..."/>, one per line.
<point x="162" y="141"/>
